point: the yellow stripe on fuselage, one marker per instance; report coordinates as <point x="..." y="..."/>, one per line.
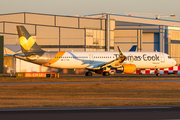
<point x="57" y="57"/>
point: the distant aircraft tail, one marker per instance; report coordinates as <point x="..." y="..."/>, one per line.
<point x="28" y="44"/>
<point x="133" y="48"/>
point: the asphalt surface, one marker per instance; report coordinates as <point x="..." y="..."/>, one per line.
<point x="93" y="113"/>
<point x="39" y="83"/>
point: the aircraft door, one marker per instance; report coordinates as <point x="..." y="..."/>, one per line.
<point x="91" y="58"/>
<point x="162" y="57"/>
<point x="47" y="57"/>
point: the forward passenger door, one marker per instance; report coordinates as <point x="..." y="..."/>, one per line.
<point x="91" y="58"/>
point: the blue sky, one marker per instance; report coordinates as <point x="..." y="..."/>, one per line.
<point x="85" y="7"/>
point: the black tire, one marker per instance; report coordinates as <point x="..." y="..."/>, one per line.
<point x="88" y="73"/>
<point x="105" y="73"/>
<point x="158" y="74"/>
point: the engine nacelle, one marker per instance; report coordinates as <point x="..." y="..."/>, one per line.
<point x="127" y="68"/>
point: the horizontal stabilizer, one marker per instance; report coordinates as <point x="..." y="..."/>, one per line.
<point x="8" y="55"/>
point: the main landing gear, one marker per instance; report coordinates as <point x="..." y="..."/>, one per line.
<point x="88" y="73"/>
<point x="105" y="73"/>
<point x="157" y="72"/>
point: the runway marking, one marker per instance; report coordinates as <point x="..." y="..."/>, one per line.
<point x="39" y="83"/>
<point x="88" y="108"/>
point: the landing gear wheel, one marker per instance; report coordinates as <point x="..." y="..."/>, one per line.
<point x="105" y="73"/>
<point x="158" y="74"/>
<point x="88" y="73"/>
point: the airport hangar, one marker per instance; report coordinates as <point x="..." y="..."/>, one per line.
<point x="97" y="32"/>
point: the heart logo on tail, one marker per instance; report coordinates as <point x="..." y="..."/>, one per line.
<point x="26" y="44"/>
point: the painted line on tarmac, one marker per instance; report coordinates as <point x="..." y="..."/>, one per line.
<point x="103" y="82"/>
<point x="88" y="108"/>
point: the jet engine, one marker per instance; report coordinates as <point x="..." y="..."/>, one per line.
<point x="127" y="68"/>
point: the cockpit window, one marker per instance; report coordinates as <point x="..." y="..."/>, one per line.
<point x="169" y="57"/>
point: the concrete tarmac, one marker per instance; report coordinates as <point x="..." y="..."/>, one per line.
<point x="127" y="76"/>
<point x="93" y="113"/>
<point x="39" y="83"/>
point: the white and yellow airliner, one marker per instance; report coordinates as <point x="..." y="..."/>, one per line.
<point x="98" y="62"/>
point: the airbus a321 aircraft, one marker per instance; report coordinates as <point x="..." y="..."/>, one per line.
<point x="98" y="62"/>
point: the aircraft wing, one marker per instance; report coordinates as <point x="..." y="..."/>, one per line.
<point x="95" y="66"/>
<point x="113" y="63"/>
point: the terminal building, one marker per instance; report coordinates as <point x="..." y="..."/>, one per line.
<point x="96" y="32"/>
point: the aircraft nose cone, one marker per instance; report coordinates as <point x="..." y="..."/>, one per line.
<point x="174" y="62"/>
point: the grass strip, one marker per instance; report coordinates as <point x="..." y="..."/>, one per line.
<point x="72" y="95"/>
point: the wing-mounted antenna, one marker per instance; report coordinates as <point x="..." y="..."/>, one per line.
<point x="122" y="57"/>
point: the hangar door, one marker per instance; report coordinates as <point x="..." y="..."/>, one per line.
<point x="1" y="53"/>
